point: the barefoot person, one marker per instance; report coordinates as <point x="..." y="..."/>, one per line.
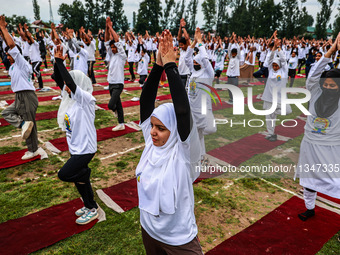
<point x="76" y="116"/>
<point x="21" y="113"/>
<point x="318" y="166"/>
<point x="166" y="171"/>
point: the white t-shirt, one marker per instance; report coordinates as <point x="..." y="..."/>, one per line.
<point x="91" y="49"/>
<point x="26" y="49"/>
<point x="143" y="65"/>
<point x="35" y="52"/>
<point x="131" y="52"/>
<point x="115" y="74"/>
<point x="20" y="72"/>
<point x="81" y="133"/>
<point x="182" y="67"/>
<point x="80" y="61"/>
<point x="293" y="62"/>
<point x="178" y="228"/>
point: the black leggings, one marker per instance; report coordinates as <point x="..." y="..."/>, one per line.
<point x="76" y="170"/>
<point x="131" y="71"/>
<point x="91" y="72"/>
<point x="36" y="70"/>
<point x="142" y="79"/>
<point x="115" y="103"/>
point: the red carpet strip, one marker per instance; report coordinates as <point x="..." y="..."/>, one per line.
<point x="282" y="232"/>
<point x="41" y="229"/>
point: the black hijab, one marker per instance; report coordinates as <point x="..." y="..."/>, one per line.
<point x="328" y="101"/>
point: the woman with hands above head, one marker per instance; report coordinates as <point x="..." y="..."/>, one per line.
<point x="200" y="81"/>
<point x="76" y="116"/>
<point x="166" y="170"/>
<point x="318" y="166"/>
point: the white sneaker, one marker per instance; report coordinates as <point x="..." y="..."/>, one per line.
<point x="106" y="88"/>
<point x="57" y="98"/>
<point x="45" y="70"/>
<point x="26" y="129"/>
<point x="5" y="71"/>
<point x="135" y="99"/>
<point x="119" y="127"/>
<point x="29" y="155"/>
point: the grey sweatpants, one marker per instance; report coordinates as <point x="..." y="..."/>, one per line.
<point x="24" y="108"/>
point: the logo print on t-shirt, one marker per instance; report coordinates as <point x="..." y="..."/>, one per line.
<point x="192" y="88"/>
<point x="67" y="122"/>
<point x="321" y="125"/>
<point x="138" y="176"/>
<point x="278" y="78"/>
<point x="78" y="57"/>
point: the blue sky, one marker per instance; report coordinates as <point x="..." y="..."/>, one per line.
<point x="24" y="7"/>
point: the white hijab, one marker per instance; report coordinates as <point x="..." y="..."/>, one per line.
<point x="83" y="82"/>
<point x="157" y="190"/>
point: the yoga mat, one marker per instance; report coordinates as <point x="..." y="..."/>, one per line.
<point x="6" y="83"/>
<point x="41" y="229"/>
<point x="282" y="232"/>
<point x="38" y="116"/>
<point x="4" y="77"/>
<point x="241" y="150"/>
<point x="124" y="194"/>
<point x="14" y="159"/>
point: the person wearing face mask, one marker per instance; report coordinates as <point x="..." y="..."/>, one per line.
<point x="233" y="71"/>
<point x="200" y="81"/>
<point x="318" y="166"/>
<point x="76" y="116"/>
<point x="166" y="170"/>
<point x="277" y="79"/>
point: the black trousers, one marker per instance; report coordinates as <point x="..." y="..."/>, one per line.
<point x="36" y="70"/>
<point x="301" y="63"/>
<point x="90" y="71"/>
<point x="131" y="71"/>
<point x="76" y="170"/>
<point x="115" y="103"/>
<point x="291" y="74"/>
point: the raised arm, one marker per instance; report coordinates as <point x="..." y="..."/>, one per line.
<point x="178" y="93"/>
<point x="60" y="71"/>
<point x="7" y="37"/>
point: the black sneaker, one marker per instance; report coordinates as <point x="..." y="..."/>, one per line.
<point x="306" y="215"/>
<point x="272" y="138"/>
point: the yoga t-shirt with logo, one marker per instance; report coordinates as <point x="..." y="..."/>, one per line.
<point x="80" y="61"/>
<point x="322" y="131"/>
<point x="79" y="121"/>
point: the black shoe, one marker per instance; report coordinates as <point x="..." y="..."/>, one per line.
<point x="306" y="215"/>
<point x="272" y="138"/>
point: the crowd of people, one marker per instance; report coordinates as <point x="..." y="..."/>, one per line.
<point x="173" y="132"/>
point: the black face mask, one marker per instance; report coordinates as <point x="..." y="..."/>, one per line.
<point x="197" y="67"/>
<point x="327" y="103"/>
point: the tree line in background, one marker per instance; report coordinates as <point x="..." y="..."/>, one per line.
<point x="259" y="18"/>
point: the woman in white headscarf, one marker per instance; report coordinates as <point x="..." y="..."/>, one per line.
<point x="76" y="116"/>
<point x="202" y="76"/>
<point x="318" y="167"/>
<point x="277" y="79"/>
<point x="168" y="165"/>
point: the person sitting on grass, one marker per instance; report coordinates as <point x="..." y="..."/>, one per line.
<point x="76" y="116"/>
<point x="166" y="170"/>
